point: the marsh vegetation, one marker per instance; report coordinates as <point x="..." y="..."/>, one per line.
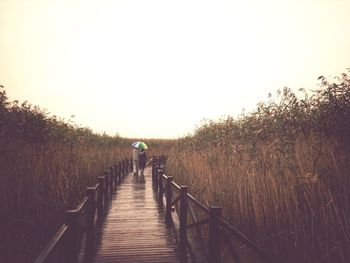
<point x="281" y="172"/>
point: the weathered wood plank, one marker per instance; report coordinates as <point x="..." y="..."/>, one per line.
<point x="135" y="229"/>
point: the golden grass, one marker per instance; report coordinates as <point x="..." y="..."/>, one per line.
<point x="294" y="204"/>
<point x="38" y="182"/>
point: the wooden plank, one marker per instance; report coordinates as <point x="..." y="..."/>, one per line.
<point x="135" y="229"/>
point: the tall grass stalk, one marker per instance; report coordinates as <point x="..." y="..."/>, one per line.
<point x="281" y="173"/>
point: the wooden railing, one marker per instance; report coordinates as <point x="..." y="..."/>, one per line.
<point x="77" y="234"/>
<point x="217" y="237"/>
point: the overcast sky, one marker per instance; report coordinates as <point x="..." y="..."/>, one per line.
<point x="157" y="68"/>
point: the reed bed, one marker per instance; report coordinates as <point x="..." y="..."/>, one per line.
<point x="45" y="165"/>
<point x="37" y="185"/>
<point x="281" y="173"/>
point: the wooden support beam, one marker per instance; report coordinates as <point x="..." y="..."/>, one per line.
<point x="214" y="243"/>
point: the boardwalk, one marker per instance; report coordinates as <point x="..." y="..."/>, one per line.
<point x="135" y="228"/>
<point x="133" y="222"/>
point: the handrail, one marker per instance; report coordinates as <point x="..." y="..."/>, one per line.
<point x="216" y="223"/>
<point x="178" y="187"/>
<point x="82" y="205"/>
<point x="97" y="186"/>
<point x="70" y="232"/>
<point x="56" y="239"/>
<point x="245" y="240"/>
<point x="199" y="204"/>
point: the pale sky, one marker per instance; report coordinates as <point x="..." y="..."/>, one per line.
<point x="157" y="68"/>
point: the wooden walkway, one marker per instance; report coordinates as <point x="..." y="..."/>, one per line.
<point x="124" y="218"/>
<point x="135" y="228"/>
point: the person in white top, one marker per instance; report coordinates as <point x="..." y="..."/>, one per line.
<point x="135" y="157"/>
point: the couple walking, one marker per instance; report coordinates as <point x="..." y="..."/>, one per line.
<point x="139" y="157"/>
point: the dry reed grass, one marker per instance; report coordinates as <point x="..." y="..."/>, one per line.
<point x="281" y="173"/>
<point x="45" y="165"/>
<point x="37" y="184"/>
<point x="294" y="207"/>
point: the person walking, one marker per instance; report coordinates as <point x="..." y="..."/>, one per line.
<point x="142" y="160"/>
<point x="135" y="158"/>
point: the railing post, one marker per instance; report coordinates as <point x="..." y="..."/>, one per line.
<point x="160" y="183"/>
<point x="183" y="216"/>
<point x="106" y="186"/>
<point x="157" y="176"/>
<point x="115" y="177"/>
<point x="214" y="243"/>
<point x="160" y="163"/>
<point x="119" y="172"/>
<point x="123" y="168"/>
<point x="100" y="197"/>
<point x="153" y="170"/>
<point x="169" y="195"/>
<point x="90" y="220"/>
<point x="111" y="180"/>
<point x="130" y="167"/>
<point x="72" y="243"/>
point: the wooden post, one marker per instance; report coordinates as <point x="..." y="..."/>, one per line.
<point x="169" y="194"/>
<point x="111" y="180"/>
<point x="160" y="162"/>
<point x="156" y="180"/>
<point x="90" y="228"/>
<point x="119" y="172"/>
<point x="123" y="169"/>
<point x="106" y="187"/>
<point x="72" y="242"/>
<point x="160" y="183"/>
<point x="115" y="177"/>
<point x="100" y="197"/>
<point x="183" y="216"/>
<point x="153" y="170"/>
<point x="214" y="243"/>
<point x="130" y="167"/>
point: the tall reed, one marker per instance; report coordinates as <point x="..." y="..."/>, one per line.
<point x="45" y="165"/>
<point x="280" y="173"/>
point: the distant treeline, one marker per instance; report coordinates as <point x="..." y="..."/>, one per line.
<point x="323" y="111"/>
<point x="30" y="123"/>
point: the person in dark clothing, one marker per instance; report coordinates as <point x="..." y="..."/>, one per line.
<point x="142" y="160"/>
